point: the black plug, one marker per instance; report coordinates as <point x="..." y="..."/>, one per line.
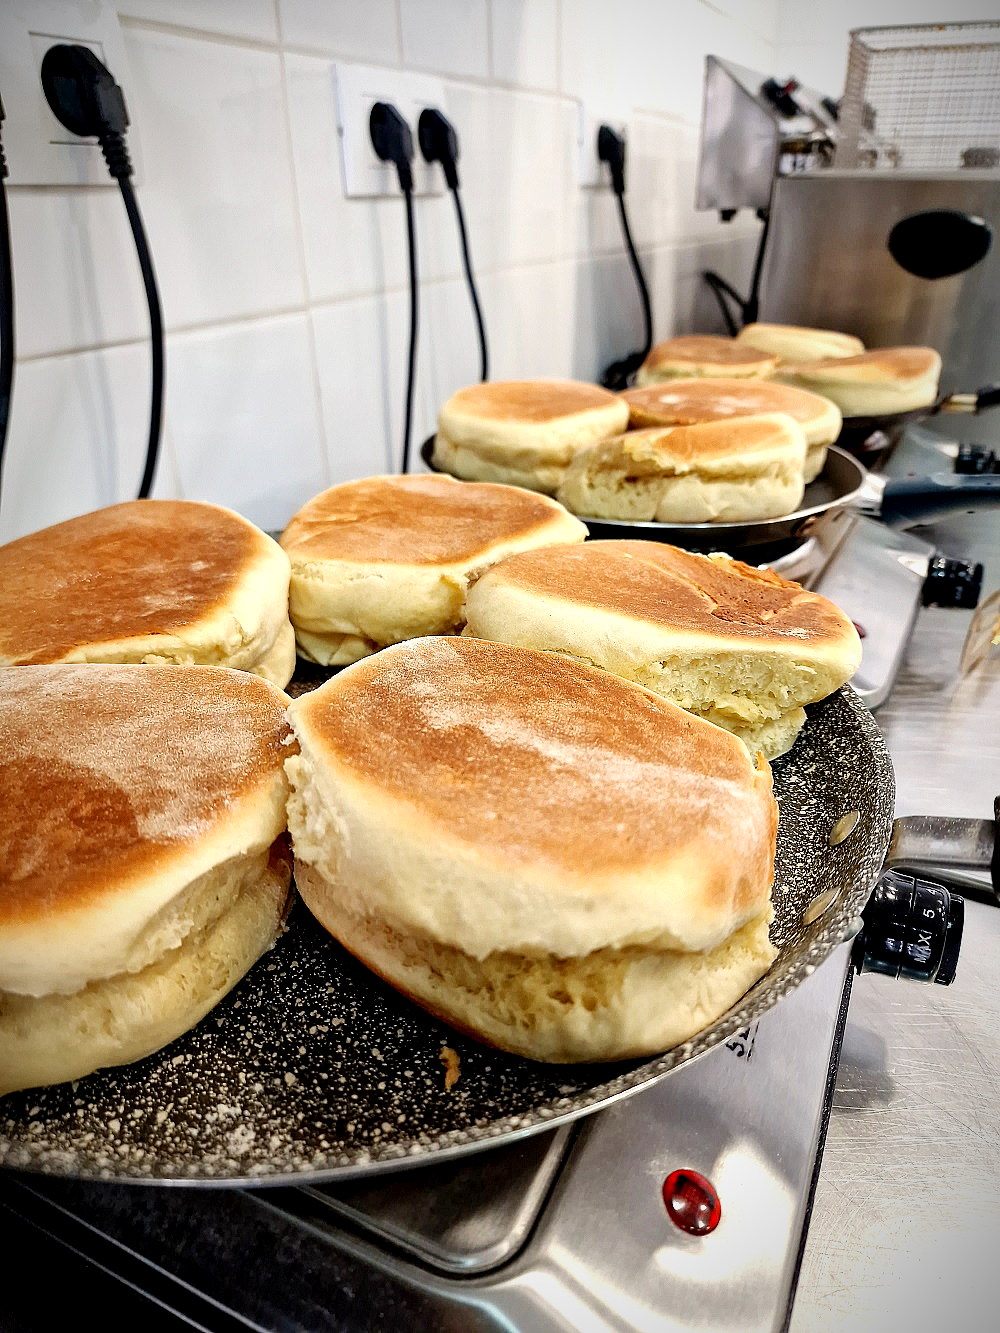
<point x="611" y="149"/>
<point x="84" y="97"/>
<point x="439" y="143"/>
<point x="3" y="160"/>
<point x="392" y="141"/>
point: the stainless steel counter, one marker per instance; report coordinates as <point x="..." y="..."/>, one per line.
<point x="907" y="1209"/>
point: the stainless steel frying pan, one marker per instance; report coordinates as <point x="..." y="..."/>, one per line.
<point x="870" y="434"/>
<point x="843" y="483"/>
<point x="312" y="1069"/>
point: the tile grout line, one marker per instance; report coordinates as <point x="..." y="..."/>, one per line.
<point x="325" y="444"/>
<point x="491" y="70"/>
<point x="197" y="34"/>
<point x="332" y="302"/>
<point x="559" y="46"/>
<point x="280" y="47"/>
<point x="398" y="10"/>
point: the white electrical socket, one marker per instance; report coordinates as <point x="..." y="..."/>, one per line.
<point x="357" y="88"/>
<point x="39" y="150"/>
<point x="591" y="172"/>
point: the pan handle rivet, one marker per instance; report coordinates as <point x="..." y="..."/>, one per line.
<point x="819" y="905"/>
<point x="844" y="827"/>
<point x="853" y="928"/>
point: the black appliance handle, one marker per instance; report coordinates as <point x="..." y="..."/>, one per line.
<point x="915" y="497"/>
<point x="939" y="243"/>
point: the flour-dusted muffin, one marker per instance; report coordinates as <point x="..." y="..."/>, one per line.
<point x="389" y="558"/>
<point x="524" y="432"/>
<point x="735" y="645"/>
<point x="534" y="850"/>
<point x="143" y="863"/>
<point x="148" y="581"/>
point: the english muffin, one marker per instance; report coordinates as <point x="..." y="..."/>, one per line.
<point x="704" y="355"/>
<point x="737" y="646"/>
<point x="684" y="402"/>
<point x="167" y="581"/>
<point x="533" y="850"/>
<point x="733" y="470"/>
<point x="524" y="432"/>
<point x="143" y="863"/>
<point x="792" y="342"/>
<point x="879" y="383"/>
<point x="389" y="558"/>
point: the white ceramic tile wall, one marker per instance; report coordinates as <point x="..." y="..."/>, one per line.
<point x="286" y="302"/>
<point x="243" y="417"/>
<point x="77" y="435"/>
<point x="524" y="41"/>
<point x="447" y="36"/>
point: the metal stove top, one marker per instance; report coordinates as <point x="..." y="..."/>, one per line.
<point x="568" y="1230"/>
<point x="565" y="1231"/>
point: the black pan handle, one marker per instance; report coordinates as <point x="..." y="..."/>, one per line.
<point x="916" y="497"/>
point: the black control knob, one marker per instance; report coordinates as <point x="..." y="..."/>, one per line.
<point x="952" y="583"/>
<point x="913" y="928"/>
<point x="975" y="460"/>
<point x="780" y="96"/>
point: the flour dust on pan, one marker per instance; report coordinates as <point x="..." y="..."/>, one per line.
<point x="312" y="1069"/>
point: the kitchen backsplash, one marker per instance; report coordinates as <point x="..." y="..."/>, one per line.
<point x="286" y="304"/>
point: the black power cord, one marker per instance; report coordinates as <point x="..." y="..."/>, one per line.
<point x="611" y="149"/>
<point x="84" y="97"/>
<point x="6" y="310"/>
<point x="393" y="142"/>
<point x="439" y="143"/>
<point x="749" y="307"/>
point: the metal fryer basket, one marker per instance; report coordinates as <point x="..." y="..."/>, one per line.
<point x="924" y="98"/>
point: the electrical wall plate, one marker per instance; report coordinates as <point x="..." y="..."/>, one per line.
<point x="591" y="172"/>
<point x="39" y="150"/>
<point x="356" y="89"/>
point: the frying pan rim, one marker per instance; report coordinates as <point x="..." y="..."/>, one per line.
<point x="833" y="929"/>
<point x="787" y="523"/>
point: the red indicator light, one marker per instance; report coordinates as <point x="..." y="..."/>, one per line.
<point x="691" y="1202"/>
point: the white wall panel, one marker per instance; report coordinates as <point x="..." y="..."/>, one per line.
<point x="243" y="418"/>
<point x="77" y="438"/>
<point x="362" y="30"/>
<point x="447" y="36"/>
<point x="217" y="197"/>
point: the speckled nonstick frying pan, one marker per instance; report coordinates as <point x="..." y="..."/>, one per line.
<point x="312" y="1069"/>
